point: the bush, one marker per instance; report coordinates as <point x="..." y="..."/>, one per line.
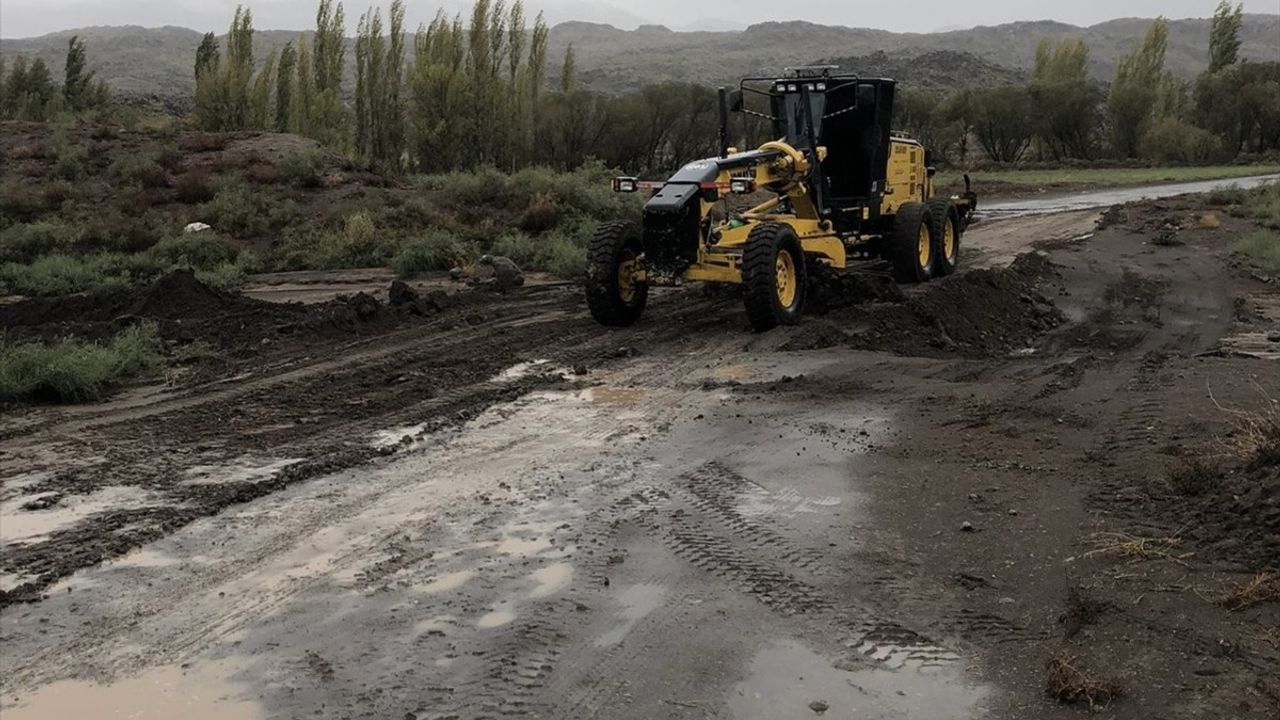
<point x="434" y="250"/>
<point x="541" y="215"/>
<point x="236" y="210"/>
<point x="1264" y="203"/>
<point x="24" y="242"/>
<point x="560" y="253"/>
<point x="56" y="193"/>
<point x="20" y="203"/>
<point x="201" y="251"/>
<point x="357" y="244"/>
<point x="194" y="187"/>
<point x="73" y="371"/>
<point x="304" y="168"/>
<point x="1176" y="141"/>
<point x="119" y="232"/>
<point x="1261" y="249"/>
<point x="145" y="170"/>
<point x="70" y="162"/>
<point x="56" y="274"/>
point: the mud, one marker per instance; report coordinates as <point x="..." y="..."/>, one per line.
<point x="502" y="510"/>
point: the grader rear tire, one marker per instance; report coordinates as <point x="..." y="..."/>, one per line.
<point x="614" y="297"/>
<point x="773" y="276"/>
<point x="945" y="226"/>
<point x="912" y="244"/>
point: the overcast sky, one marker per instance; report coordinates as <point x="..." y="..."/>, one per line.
<point x="25" y="18"/>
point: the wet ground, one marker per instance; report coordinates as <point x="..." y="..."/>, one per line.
<point x="898" y="509"/>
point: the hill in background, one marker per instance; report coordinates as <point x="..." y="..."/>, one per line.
<point x="157" y="62"/>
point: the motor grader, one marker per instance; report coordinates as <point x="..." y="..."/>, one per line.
<point x="835" y="191"/>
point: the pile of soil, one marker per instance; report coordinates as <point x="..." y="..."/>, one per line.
<point x="980" y="313"/>
<point x="187" y="310"/>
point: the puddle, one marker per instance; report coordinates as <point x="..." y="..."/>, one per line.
<point x="787" y="502"/>
<point x="785" y="677"/>
<point x="495" y="618"/>
<point x="18" y="525"/>
<point x="551" y="580"/>
<point x="637" y="602"/>
<point x="244" y="470"/>
<point x="158" y="694"/>
<point x="12" y="581"/>
<point x="445" y="583"/>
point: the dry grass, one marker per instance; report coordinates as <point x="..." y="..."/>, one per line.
<point x="1261" y="588"/>
<point x="1256" y="440"/>
<point x="1069" y="684"/>
<point x="1137" y="549"/>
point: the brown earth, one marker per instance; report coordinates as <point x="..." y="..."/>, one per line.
<point x="1003" y="466"/>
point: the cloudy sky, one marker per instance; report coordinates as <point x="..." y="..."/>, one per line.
<point x="25" y="18"/>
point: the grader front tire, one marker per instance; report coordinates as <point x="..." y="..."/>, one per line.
<point x="773" y="276"/>
<point x="613" y="295"/>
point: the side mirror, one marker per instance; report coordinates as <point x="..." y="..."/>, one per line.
<point x="931" y="171"/>
<point x="735" y="101"/>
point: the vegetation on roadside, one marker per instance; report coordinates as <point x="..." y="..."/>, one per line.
<point x="1067" y="177"/>
<point x="77" y="371"/>
<point x="1260" y="248"/>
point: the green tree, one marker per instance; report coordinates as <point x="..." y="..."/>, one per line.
<point x="1003" y="122"/>
<point x="77" y="79"/>
<point x="284" y="85"/>
<point x="261" y="116"/>
<point x="1065" y="99"/>
<point x="568" y="70"/>
<point x="1131" y="103"/>
<point x="207" y="53"/>
<point x="1224" y="36"/>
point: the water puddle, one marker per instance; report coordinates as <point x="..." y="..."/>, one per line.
<point x="520" y="371"/>
<point x="495" y="618"/>
<point x="551" y="580"/>
<point x="13" y="581"/>
<point x="787" y="680"/>
<point x="24" y="526"/>
<point x="637" y="602"/>
<point x="615" y="396"/>
<point x="158" y="694"/>
<point x="248" y="469"/>
<point x="446" y="583"/>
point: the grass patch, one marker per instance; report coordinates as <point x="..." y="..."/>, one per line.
<point x="358" y="243"/>
<point x="74" y="371"/>
<point x="1260" y="589"/>
<point x="304" y="168"/>
<point x="145" y="170"/>
<point x="1107" y="177"/>
<point x="435" y="250"/>
<point x="1194" y="478"/>
<point x="1136" y="549"/>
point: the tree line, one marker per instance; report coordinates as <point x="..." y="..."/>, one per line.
<point x="1146" y="113"/>
<point x="28" y="90"/>
<point x="454" y="95"/>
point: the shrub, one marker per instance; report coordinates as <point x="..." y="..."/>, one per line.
<point x="55" y="274"/>
<point x="73" y="371"/>
<point x="357" y="244"/>
<point x="194" y="187"/>
<point x="1264" y="204"/>
<point x="145" y="170"/>
<point x="560" y="253"/>
<point x="118" y="232"/>
<point x="434" y="250"/>
<point x="236" y="210"/>
<point x="56" y="193"/>
<point x="24" y="242"/>
<point x="541" y="215"/>
<point x="201" y="251"/>
<point x="304" y="168"/>
<point x="1173" y="140"/>
<point x="70" y="162"/>
<point x="1261" y="249"/>
<point x="20" y="203"/>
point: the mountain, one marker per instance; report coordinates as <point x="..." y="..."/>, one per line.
<point x="158" y="61"/>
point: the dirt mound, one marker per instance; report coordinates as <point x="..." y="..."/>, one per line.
<point x="982" y="313"/>
<point x="816" y="335"/>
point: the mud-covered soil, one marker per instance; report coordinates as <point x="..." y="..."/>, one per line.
<point x="930" y="503"/>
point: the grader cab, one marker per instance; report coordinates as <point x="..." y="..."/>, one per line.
<point x="836" y="188"/>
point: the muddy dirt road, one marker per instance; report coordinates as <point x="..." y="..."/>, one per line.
<point x="903" y="508"/>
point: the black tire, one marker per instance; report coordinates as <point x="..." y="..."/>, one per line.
<point x="943" y="216"/>
<point x="911" y="253"/>
<point x="773" y="286"/>
<point x="611" y="302"/>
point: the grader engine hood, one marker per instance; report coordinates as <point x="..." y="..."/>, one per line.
<point x="673" y="217"/>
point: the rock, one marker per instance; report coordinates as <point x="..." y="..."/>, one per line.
<point x="401" y="294"/>
<point x="968" y="527"/>
<point x="819" y="706"/>
<point x="580" y="370"/>
<point x="1273" y="337"/>
<point x="196" y="227"/>
<point x="506" y="274"/>
<point x="365" y="305"/>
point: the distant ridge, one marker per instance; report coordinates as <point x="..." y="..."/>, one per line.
<point x="156" y="62"/>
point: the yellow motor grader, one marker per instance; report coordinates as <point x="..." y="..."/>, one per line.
<point x="836" y="188"/>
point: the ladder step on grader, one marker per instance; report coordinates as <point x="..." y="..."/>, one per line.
<point x="836" y="188"/>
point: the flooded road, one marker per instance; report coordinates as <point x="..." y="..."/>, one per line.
<point x="1100" y="199"/>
